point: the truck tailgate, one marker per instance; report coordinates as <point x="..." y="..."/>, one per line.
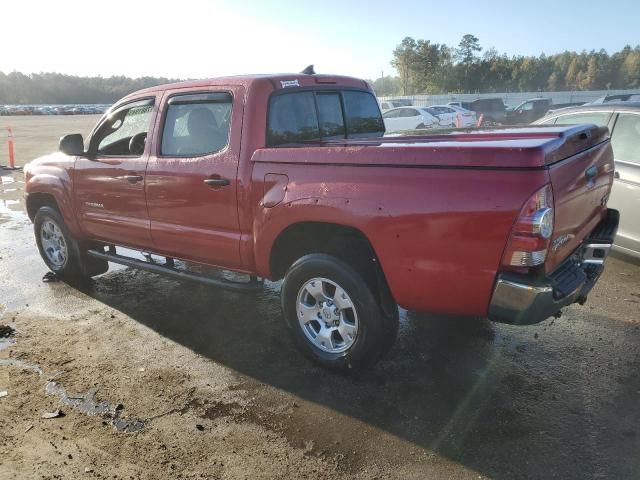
<point x="581" y="185"/>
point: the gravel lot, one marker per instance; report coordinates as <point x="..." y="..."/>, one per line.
<point x="160" y="379"/>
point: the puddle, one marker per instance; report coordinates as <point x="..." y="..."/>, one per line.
<point x="12" y="362"/>
<point x="7" y="333"/>
<point x="87" y="404"/>
<point x="12" y="210"/>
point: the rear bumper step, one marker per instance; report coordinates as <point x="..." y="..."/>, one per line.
<point x="169" y="270"/>
<point x="519" y="299"/>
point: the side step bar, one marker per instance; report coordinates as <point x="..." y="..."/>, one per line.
<point x="250" y="286"/>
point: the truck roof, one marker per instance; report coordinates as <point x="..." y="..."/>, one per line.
<point x="277" y="80"/>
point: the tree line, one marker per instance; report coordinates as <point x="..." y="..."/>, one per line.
<point x="56" y="88"/>
<point x="425" y="67"/>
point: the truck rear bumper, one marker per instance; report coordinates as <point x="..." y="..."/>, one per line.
<point x="520" y="299"/>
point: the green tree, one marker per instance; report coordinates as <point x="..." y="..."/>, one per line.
<point x="468" y="49"/>
<point x="404" y="61"/>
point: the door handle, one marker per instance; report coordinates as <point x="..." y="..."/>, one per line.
<point x="591" y="172"/>
<point x="131" y="178"/>
<point x="216" y="182"/>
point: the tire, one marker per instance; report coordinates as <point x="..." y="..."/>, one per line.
<point x="332" y="314"/>
<point x="59" y="250"/>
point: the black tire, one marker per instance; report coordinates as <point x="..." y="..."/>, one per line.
<point x="375" y="332"/>
<point x="76" y="264"/>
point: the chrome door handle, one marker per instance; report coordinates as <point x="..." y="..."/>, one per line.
<point x="216" y="182"/>
<point x="131" y="178"/>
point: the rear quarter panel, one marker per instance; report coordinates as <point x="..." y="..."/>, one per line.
<point x="438" y="233"/>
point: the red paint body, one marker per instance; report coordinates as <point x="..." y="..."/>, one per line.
<point x="438" y="210"/>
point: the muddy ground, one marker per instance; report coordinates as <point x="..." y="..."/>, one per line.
<point x="160" y="379"/>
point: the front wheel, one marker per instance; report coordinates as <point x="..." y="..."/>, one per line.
<point x="333" y="315"/>
<point x="59" y="249"/>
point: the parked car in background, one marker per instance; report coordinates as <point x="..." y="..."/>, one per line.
<point x="408" y="118"/>
<point x="528" y="111"/>
<point x="623" y="120"/>
<point x="450" y="115"/>
<point x="394" y="103"/>
<point x="559" y="106"/>
<point x="493" y="109"/>
<point x="625" y="97"/>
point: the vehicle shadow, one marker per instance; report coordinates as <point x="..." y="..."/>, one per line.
<point x="490" y="397"/>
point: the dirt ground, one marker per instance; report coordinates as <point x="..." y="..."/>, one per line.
<point x="159" y="379"/>
<point x="38" y="135"/>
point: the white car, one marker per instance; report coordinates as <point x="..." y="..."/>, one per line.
<point x="408" y="118"/>
<point x="447" y="115"/>
<point x="389" y="104"/>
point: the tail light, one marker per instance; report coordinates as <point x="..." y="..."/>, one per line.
<point x="531" y="233"/>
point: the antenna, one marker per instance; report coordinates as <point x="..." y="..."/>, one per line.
<point x="308" y="71"/>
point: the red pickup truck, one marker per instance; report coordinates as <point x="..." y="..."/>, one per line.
<point x="291" y="176"/>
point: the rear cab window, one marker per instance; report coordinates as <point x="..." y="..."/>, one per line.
<point x="313" y="115"/>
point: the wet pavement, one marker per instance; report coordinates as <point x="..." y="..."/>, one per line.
<point x="456" y="398"/>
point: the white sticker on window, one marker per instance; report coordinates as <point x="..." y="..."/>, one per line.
<point x="289" y="83"/>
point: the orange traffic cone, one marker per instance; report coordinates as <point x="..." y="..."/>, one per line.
<point x="12" y="158"/>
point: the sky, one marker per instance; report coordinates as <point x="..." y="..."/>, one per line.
<point x="208" y="38"/>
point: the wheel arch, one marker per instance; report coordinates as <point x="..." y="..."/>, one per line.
<point x="49" y="190"/>
<point x="346" y="243"/>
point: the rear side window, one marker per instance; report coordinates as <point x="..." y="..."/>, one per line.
<point x="597" y="118"/>
<point x="312" y="115"/>
<point x="625" y="139"/>
<point x="196" y="124"/>
<point x="292" y="119"/>
<point x="363" y="115"/>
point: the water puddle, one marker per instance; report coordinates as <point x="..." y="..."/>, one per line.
<point x="12" y="210"/>
<point x="7" y="333"/>
<point x="87" y="404"/>
<point x="12" y="362"/>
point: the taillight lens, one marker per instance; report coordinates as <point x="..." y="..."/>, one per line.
<point x="531" y="232"/>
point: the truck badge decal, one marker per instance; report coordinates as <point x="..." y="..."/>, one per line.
<point x="560" y="241"/>
<point x="93" y="204"/>
<point x="289" y="83"/>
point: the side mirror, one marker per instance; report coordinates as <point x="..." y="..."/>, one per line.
<point x="72" y="144"/>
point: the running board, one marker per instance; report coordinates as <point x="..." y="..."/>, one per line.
<point x="250" y="286"/>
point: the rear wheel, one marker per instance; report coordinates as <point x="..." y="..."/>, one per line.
<point x="333" y="315"/>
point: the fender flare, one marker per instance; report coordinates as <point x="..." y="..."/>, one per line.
<point x="60" y="190"/>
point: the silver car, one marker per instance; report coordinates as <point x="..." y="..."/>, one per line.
<point x="623" y="120"/>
